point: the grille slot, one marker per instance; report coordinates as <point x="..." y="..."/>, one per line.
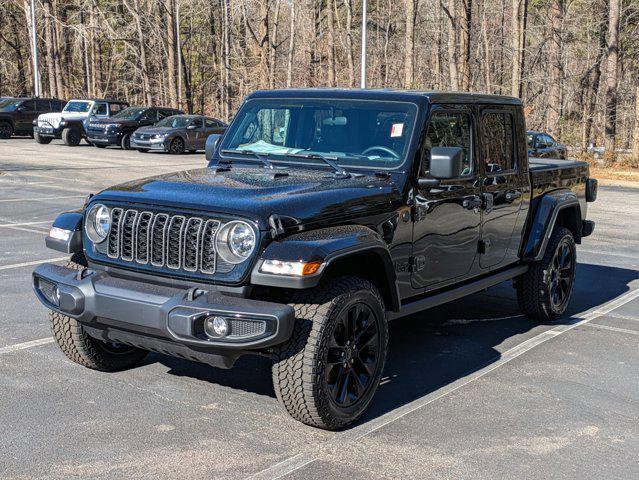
<point x="162" y="240"/>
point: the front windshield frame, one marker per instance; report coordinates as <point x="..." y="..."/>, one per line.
<point x="282" y="159"/>
<point x="89" y="106"/>
<point x="138" y="112"/>
<point x="162" y="123"/>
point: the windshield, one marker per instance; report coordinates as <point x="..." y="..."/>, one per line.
<point x="174" y="122"/>
<point x="355" y="133"/>
<point x="78" y="107"/>
<point x="9" y="104"/>
<point x="131" y="113"/>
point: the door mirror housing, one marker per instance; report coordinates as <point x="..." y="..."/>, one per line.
<point x="211" y="144"/>
<point x="446" y="163"/>
<point x="191" y="127"/>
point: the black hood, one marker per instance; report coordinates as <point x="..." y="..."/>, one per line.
<point x="304" y="196"/>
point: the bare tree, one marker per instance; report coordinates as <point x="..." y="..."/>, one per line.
<point x="409" y="42"/>
<point x="555" y="66"/>
<point x="612" y="69"/>
<point x="635" y="132"/>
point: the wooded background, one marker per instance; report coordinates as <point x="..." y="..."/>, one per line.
<point x="575" y="63"/>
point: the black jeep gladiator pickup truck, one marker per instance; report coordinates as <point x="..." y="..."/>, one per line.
<point x="322" y="215"/>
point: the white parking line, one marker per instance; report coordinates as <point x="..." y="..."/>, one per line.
<point x="31" y="230"/>
<point x="613" y="329"/>
<point x="35" y="262"/>
<point x="25" y="345"/>
<point x="24" y="224"/>
<point x="340" y="440"/>
<point x="39" y="199"/>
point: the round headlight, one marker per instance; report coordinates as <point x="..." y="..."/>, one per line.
<point x="98" y="223"/>
<point x="235" y="242"/>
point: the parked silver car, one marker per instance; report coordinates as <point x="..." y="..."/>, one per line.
<point x="177" y="134"/>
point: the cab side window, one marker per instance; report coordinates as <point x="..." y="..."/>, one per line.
<point x="100" y="109"/>
<point x="448" y="129"/>
<point x="499" y="146"/>
<point x="43" y="105"/>
<point x="28" y="106"/>
<point x="150" y="115"/>
<point x="197" y="122"/>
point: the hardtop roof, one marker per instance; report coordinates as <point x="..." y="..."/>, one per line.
<point x="389" y="94"/>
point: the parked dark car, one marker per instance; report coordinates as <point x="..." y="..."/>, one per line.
<point x="70" y="125"/>
<point x="542" y="145"/>
<point x="17" y="114"/>
<point x="117" y="130"/>
<point x="177" y="134"/>
<point x="323" y="214"/>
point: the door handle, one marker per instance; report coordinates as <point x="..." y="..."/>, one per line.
<point x="512" y="196"/>
<point x="472" y="203"/>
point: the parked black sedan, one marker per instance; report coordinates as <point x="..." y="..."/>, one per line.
<point x="117" y="129"/>
<point x="542" y="145"/>
<point x="177" y="134"/>
<point x="17" y="114"/>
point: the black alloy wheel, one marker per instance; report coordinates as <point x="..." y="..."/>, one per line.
<point x="561" y="275"/>
<point x="176" y="146"/>
<point x="352" y="355"/>
<point x="6" y="130"/>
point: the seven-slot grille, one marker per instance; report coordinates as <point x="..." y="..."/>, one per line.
<point x="162" y="240"/>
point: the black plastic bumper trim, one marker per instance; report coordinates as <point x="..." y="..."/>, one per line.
<point x="95" y="298"/>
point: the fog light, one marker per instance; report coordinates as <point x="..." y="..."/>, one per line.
<point x="216" y="327"/>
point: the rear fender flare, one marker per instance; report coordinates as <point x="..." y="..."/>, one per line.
<point x="544" y="219"/>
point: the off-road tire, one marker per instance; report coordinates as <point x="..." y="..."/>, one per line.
<point x="71" y="136"/>
<point x="85" y="350"/>
<point x="298" y="370"/>
<point x="6" y="130"/>
<point x="125" y="143"/>
<point x="533" y="287"/>
<point x="42" y="140"/>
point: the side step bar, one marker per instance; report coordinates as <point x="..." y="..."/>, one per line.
<point x="456" y="293"/>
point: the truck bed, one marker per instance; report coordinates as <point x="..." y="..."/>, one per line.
<point x="549" y="174"/>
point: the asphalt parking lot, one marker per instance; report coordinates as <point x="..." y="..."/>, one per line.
<point x="472" y="390"/>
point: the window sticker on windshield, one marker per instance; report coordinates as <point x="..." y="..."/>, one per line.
<point x="397" y="129"/>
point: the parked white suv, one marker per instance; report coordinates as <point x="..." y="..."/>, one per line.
<point x="70" y="124"/>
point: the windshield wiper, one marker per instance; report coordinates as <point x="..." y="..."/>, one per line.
<point x="262" y="157"/>
<point x="330" y="161"/>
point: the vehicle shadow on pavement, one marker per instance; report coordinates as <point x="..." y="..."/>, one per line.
<point x="433" y="348"/>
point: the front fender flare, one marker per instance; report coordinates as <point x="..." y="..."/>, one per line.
<point x="544" y="219"/>
<point x="71" y="221"/>
<point x="327" y="246"/>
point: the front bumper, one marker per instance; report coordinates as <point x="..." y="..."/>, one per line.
<point x="148" y="145"/>
<point x="104" y="138"/>
<point x="48" y="131"/>
<point x="162" y="318"/>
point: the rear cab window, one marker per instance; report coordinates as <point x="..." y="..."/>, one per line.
<point x="499" y="142"/>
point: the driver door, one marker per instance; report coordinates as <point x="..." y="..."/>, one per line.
<point x="447" y="218"/>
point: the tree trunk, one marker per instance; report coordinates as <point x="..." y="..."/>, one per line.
<point x="171" y="48"/>
<point x="273" y="45"/>
<point x="332" y="70"/>
<point x="555" y="65"/>
<point x="438" y="45"/>
<point x="50" y="47"/>
<point x="227" y="59"/>
<point x="349" y="43"/>
<point x="464" y="44"/>
<point x="27" y="11"/>
<point x="291" y="48"/>
<point x="590" y="102"/>
<point x="452" y="45"/>
<point x="519" y="23"/>
<point x="409" y="43"/>
<point x="635" y="132"/>
<point x="612" y="69"/>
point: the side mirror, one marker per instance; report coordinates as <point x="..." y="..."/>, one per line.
<point x="191" y="127"/>
<point x="211" y="145"/>
<point x="446" y="163"/>
<point x="20" y="109"/>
